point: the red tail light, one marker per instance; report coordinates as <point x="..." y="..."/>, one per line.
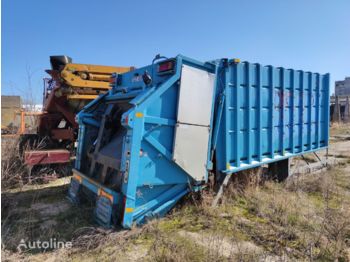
<point x="126" y="119"/>
<point x="166" y="66"/>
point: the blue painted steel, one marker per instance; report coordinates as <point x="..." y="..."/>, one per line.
<point x="260" y="114"/>
<point x="271" y="114"/>
<point x="103" y="211"/>
<point x="74" y="191"/>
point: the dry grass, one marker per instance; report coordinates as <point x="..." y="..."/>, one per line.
<point x="14" y="172"/>
<point x="304" y="219"/>
<point x="340" y="129"/>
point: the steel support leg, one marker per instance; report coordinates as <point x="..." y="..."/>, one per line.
<point x="221" y="190"/>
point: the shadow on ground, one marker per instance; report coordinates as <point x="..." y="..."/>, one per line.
<point x="41" y="214"/>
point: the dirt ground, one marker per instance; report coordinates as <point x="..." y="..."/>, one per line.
<point x="304" y="218"/>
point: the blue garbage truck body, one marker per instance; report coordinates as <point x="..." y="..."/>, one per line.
<point x="164" y="128"/>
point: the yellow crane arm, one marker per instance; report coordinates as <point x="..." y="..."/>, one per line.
<point x="90" y="76"/>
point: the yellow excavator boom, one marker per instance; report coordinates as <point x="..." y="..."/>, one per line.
<point x="90" y="76"/>
<point x="78" y="82"/>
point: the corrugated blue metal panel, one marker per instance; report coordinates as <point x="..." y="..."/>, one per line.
<point x="270" y="114"/>
<point x="259" y="114"/>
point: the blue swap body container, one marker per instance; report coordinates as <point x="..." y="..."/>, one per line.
<point x="270" y="113"/>
<point x="162" y="128"/>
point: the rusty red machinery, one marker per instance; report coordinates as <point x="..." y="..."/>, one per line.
<point x="70" y="87"/>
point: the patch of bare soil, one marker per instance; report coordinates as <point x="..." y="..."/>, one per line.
<point x="50" y="209"/>
<point x="223" y="246"/>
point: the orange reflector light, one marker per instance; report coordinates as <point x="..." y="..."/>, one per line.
<point x="105" y="194"/>
<point x="139" y="114"/>
<point x="77" y="177"/>
<point x="128" y="209"/>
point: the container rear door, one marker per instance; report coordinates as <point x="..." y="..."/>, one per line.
<point x="193" y="121"/>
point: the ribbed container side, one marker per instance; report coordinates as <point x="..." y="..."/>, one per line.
<point x="271" y="113"/>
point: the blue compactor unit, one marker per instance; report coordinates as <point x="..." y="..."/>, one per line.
<point x="163" y="129"/>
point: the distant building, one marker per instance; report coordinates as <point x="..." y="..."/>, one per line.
<point x="9" y="106"/>
<point x="32" y="108"/>
<point x="342" y="88"/>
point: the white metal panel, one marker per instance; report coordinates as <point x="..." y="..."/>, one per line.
<point x="191" y="148"/>
<point x="196" y="96"/>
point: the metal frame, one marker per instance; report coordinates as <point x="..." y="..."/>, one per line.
<point x="283" y="115"/>
<point x="251" y="104"/>
<point x="170" y="190"/>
